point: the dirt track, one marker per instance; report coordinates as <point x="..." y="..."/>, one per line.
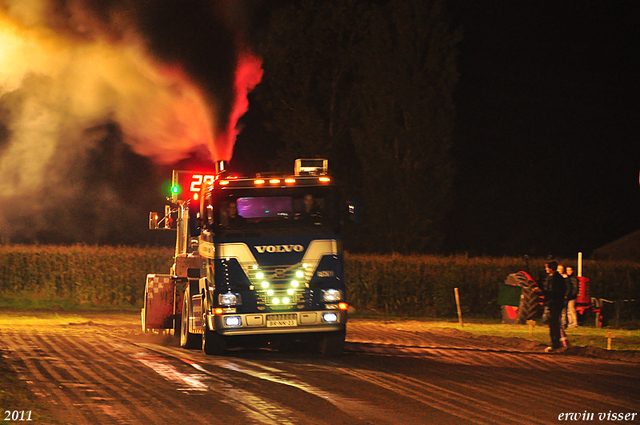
<point x="102" y="370"/>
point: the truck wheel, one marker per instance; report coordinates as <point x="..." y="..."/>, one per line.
<point x="332" y="344"/>
<point x="212" y="342"/>
<point x="509" y="314"/>
<point x="187" y="339"/>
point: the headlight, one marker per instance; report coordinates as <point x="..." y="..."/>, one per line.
<point x="232" y="321"/>
<point x="330" y="317"/>
<point x="331" y="295"/>
<point x="227" y="299"/>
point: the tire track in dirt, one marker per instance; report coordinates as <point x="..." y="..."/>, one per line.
<point x="97" y="374"/>
<point x="98" y="382"/>
<point x="272" y="382"/>
<point x="42" y="374"/>
<point x="502" y="377"/>
<point x="109" y="384"/>
<point x="97" y="379"/>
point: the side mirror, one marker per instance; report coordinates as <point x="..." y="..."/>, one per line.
<point x="153" y="220"/>
<point x="210" y="218"/>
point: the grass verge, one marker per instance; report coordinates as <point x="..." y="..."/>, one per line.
<point x="622" y="339"/>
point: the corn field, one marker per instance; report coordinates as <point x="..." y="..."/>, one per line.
<point x="423" y="286"/>
<point x="113" y="277"/>
<point x="91" y="276"/>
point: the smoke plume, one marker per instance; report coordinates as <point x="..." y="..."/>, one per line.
<point x="172" y="76"/>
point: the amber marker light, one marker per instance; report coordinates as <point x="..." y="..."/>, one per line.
<point x="218" y="311"/>
<point x="324" y="179"/>
<point x="343" y="306"/>
<point x="274" y="181"/>
<point x="224" y="182"/>
<point x="290" y="181"/>
<point x="258" y="182"/>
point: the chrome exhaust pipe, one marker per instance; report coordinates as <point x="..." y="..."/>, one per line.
<point x="221" y="167"/>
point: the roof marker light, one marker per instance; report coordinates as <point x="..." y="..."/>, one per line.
<point x="274" y="181"/>
<point x="324" y="179"/>
<point x="290" y="181"/>
<point x="258" y="181"/>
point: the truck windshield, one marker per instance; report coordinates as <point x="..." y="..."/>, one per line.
<point x="277" y="212"/>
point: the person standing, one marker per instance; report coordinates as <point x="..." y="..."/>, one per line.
<point x="561" y="271"/>
<point x="573" y="285"/>
<point x="554" y="291"/>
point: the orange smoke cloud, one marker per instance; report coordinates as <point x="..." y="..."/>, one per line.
<point x="69" y="66"/>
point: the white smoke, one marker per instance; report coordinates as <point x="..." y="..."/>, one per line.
<point x="68" y="67"/>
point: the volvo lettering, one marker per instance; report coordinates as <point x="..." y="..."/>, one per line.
<point x="258" y="261"/>
<point x="279" y="248"/>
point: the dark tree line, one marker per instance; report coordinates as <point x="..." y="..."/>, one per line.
<point x="370" y="86"/>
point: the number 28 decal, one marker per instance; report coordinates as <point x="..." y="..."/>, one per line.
<point x="198" y="179"/>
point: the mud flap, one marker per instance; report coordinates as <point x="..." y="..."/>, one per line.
<point x="161" y="301"/>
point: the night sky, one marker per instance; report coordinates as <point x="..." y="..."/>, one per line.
<point x="547" y="135"/>
<point x="546" y="141"/>
<point x="545" y="145"/>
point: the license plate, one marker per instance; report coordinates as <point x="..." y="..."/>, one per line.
<point x="282" y="320"/>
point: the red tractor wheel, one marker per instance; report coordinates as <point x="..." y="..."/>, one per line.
<point x="509" y="314"/>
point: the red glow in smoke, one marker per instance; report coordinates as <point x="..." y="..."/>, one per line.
<point x="248" y="75"/>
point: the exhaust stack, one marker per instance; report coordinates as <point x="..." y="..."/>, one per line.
<point x="221" y="167"/>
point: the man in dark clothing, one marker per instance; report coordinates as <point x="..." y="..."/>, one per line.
<point x="555" y="290"/>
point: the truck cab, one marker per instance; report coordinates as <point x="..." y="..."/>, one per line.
<point x="270" y="262"/>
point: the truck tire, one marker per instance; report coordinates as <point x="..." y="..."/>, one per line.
<point x="212" y="342"/>
<point x="187" y="339"/>
<point x="332" y="344"/>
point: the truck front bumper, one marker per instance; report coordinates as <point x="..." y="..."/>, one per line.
<point x="278" y="323"/>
